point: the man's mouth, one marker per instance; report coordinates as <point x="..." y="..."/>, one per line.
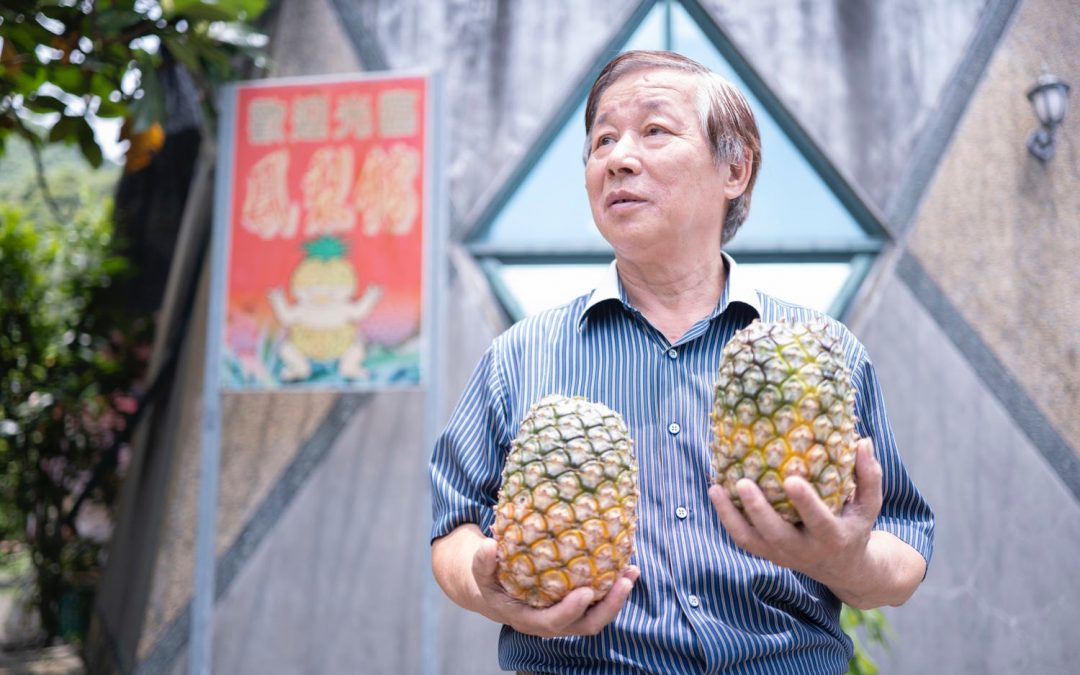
<point x="618" y="198"/>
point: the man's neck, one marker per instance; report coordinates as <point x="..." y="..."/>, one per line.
<point x="674" y="297"/>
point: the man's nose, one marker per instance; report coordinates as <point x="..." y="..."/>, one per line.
<point x="625" y="156"/>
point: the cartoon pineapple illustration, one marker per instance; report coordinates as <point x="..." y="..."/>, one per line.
<point x="323" y="322"/>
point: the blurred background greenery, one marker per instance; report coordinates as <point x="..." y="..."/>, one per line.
<point x="74" y="347"/>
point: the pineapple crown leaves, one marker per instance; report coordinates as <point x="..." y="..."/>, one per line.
<point x="325" y="248"/>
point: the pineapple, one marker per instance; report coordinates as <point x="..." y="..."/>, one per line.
<point x="324" y="279"/>
<point x="567" y="509"/>
<point x="783" y="407"/>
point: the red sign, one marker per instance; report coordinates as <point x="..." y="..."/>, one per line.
<point x="326" y="232"/>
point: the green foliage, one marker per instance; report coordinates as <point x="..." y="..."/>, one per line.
<point x="70" y="358"/>
<point x="871" y="623"/>
<point x="72" y="183"/>
<point x="69" y="362"/>
<point x="64" y="63"/>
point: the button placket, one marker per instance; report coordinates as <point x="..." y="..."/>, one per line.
<point x="673" y="377"/>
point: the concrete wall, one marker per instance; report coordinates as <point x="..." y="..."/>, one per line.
<point x="975" y="335"/>
<point x="998" y="229"/>
<point x="1000" y="595"/>
<point x="864" y="78"/>
<point x="322" y="536"/>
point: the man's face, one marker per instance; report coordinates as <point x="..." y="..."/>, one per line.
<point x="653" y="186"/>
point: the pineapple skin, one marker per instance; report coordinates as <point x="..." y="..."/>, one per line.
<point x="784" y="406"/>
<point x="567" y="509"/>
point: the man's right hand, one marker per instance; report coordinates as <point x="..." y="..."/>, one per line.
<point x="573" y="615"/>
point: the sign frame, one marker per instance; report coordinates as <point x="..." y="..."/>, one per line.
<point x="433" y="273"/>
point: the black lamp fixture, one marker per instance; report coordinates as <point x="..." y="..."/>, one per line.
<point x="1050" y="98"/>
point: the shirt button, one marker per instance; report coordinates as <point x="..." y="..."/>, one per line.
<point x="674" y="428"/>
<point x="681" y="512"/>
<point x="694" y="602"/>
<point x="673" y="353"/>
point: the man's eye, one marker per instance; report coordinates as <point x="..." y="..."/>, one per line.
<point x="654" y="131"/>
<point x="604" y="140"/>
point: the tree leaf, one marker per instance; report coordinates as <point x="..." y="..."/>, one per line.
<point x="67" y="15"/>
<point x="100" y="85"/>
<point x="30" y="78"/>
<point x="88" y="143"/>
<point x="113" y="21"/>
<point x="181" y="52"/>
<point x="116" y="4"/>
<point x="70" y="78"/>
<point x="246" y="9"/>
<point x="151" y="107"/>
<point x="26" y="36"/>
<point x="107" y="108"/>
<point x="65" y="130"/>
<point x="44" y="104"/>
<point x="197" y="11"/>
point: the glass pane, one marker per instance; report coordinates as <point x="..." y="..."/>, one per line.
<point x="813" y="285"/>
<point x="791" y="201"/>
<point x="790" y="198"/>
<point x="540" y="287"/>
<point x="551" y="206"/>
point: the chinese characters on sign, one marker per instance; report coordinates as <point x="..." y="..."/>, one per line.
<point x="326" y="234"/>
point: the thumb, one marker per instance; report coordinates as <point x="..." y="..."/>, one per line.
<point x="484" y="561"/>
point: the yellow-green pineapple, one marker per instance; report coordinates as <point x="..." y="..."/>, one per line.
<point x="567" y="509"/>
<point x="784" y="406"/>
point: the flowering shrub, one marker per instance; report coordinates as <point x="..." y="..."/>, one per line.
<point x="69" y="364"/>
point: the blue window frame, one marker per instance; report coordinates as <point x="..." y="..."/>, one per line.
<point x="809" y="237"/>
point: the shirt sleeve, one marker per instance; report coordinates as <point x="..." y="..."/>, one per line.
<point x="904" y="511"/>
<point x="468" y="456"/>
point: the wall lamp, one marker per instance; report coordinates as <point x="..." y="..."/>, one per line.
<point x="1050" y="98"/>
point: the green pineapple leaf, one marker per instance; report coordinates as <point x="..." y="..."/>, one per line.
<point x="326" y="247"/>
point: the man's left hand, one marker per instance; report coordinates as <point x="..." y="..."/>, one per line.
<point x="829" y="548"/>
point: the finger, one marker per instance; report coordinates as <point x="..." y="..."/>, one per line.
<point x="868" y="490"/>
<point x="761" y="514"/>
<point x="559" y="617"/>
<point x="815" y="514"/>
<point x="603" y="612"/>
<point x="740" y="530"/>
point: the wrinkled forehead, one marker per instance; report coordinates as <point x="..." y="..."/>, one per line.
<point x="651" y="88"/>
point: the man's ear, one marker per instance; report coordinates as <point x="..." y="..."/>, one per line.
<point x="737" y="178"/>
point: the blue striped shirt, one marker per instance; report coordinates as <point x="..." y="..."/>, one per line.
<point x="702" y="604"/>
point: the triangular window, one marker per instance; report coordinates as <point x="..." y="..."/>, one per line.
<point x="809" y="239"/>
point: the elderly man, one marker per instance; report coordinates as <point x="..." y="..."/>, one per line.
<point x="672" y="155"/>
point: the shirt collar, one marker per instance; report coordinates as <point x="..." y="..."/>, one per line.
<point x="737" y="289"/>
